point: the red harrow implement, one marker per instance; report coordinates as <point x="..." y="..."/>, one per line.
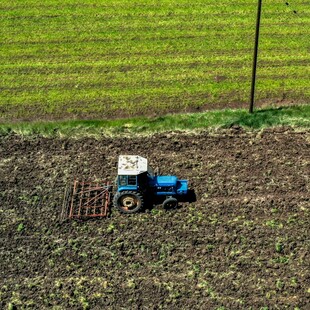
<point x="86" y="200"/>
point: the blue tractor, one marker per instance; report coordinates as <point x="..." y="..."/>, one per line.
<point x="136" y="183"/>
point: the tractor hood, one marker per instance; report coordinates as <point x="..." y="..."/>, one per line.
<point x="166" y="180"/>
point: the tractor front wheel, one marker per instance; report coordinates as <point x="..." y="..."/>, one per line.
<point x="128" y="202"/>
<point x="170" y="203"/>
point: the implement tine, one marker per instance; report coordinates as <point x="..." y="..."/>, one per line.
<point x="81" y="198"/>
<point x="72" y="199"/>
<point x="88" y="198"/>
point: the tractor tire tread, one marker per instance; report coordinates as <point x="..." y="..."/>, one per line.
<point x="118" y="195"/>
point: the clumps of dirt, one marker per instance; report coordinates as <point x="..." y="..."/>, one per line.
<point x="243" y="243"/>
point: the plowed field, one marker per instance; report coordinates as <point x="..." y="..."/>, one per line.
<point x="243" y="243"/>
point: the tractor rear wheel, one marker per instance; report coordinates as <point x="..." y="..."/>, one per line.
<point x="128" y="202"/>
<point x="170" y="203"/>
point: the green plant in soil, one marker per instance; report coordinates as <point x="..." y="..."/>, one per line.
<point x="20" y="227"/>
<point x="279" y="247"/>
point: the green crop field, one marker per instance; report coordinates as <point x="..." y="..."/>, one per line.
<point x="119" y="58"/>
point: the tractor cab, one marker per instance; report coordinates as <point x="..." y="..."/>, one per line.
<point x="133" y="173"/>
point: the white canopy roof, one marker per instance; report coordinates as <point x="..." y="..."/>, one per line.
<point x="132" y="165"/>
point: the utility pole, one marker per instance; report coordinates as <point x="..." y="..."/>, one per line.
<point x="259" y="9"/>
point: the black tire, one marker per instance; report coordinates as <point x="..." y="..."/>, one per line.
<point x="128" y="202"/>
<point x="170" y="203"/>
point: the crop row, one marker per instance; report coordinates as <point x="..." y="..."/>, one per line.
<point x="59" y="55"/>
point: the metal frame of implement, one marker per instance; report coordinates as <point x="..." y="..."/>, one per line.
<point x="87" y="200"/>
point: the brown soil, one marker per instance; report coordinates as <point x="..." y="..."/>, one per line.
<point x="243" y="243"/>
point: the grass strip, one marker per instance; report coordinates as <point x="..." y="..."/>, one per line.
<point x="296" y="116"/>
